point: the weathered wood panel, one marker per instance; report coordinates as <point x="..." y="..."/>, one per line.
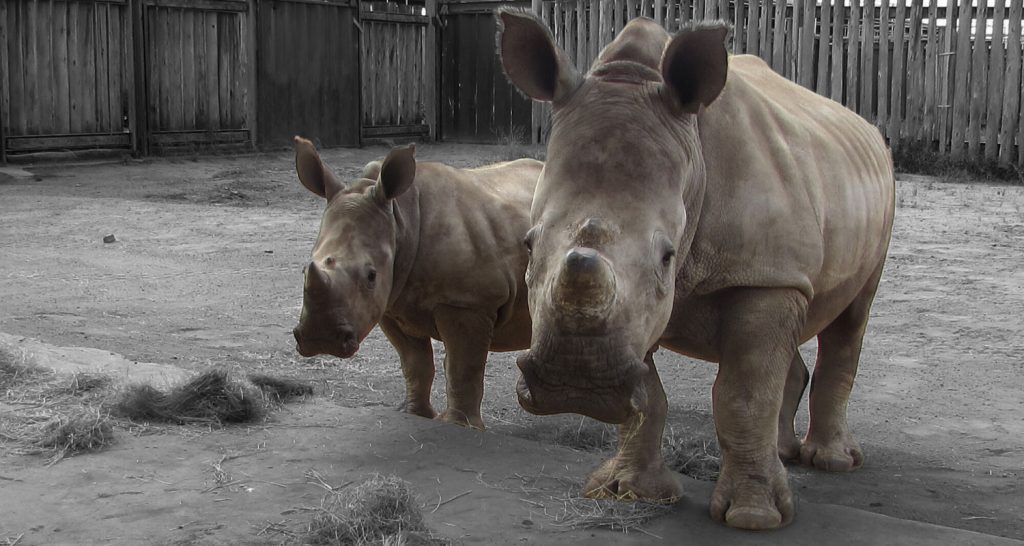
<point x="62" y="73"/>
<point x="318" y="97"/>
<point x="197" y="70"/>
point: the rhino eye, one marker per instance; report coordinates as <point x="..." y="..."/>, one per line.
<point x="666" y="259"/>
<point x="371" y="276"/>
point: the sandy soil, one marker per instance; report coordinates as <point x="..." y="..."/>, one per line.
<point x="206" y="271"/>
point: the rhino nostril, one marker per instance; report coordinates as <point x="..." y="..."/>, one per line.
<point x="581" y="260"/>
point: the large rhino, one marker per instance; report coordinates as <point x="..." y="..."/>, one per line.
<point x="426" y="251"/>
<point x="699" y="202"/>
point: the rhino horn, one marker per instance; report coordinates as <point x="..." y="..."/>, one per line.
<point x="586" y="284"/>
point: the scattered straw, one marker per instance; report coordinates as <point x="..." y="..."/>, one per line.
<point x="210" y="398"/>
<point x="81" y="430"/>
<point x="381" y="510"/>
<point x="281" y="389"/>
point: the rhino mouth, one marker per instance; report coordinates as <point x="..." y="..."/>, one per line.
<point x="601" y="385"/>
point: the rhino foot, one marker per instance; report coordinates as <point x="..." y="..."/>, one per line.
<point x="417" y="409"/>
<point x="750" y="501"/>
<point x="621" y="480"/>
<point x="789" y="449"/>
<point x="842" y="454"/>
<point x="460" y="418"/>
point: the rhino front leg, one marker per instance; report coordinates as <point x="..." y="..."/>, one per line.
<point x="757" y="339"/>
<point x="638" y="471"/>
<point x="417" y="358"/>
<point x="467" y="339"/>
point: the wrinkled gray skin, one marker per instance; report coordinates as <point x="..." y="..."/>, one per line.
<point x="698" y="202"/>
<point x="425" y="251"/>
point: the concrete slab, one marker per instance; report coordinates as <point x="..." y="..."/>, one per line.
<point x="72" y="360"/>
<point x="161" y="488"/>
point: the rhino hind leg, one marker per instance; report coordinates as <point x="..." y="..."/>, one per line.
<point x="796" y="382"/>
<point x="638" y="471"/>
<point x="828" y="444"/>
<point x="417" y="357"/>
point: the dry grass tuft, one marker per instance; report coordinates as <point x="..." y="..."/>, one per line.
<point x="14" y="369"/>
<point x="81" y="430"/>
<point x="699" y="459"/>
<point x="281" y="389"/>
<point x="210" y="397"/>
<point x="381" y="510"/>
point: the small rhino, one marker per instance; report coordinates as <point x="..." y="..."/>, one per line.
<point x="425" y="251"/>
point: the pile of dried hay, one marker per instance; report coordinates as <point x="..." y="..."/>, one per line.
<point x="381" y="510"/>
<point x="209" y="398"/>
<point x="45" y="415"/>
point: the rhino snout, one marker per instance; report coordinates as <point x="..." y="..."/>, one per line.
<point x="343" y="343"/>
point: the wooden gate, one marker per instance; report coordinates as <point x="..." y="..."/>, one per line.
<point x="399" y="56"/>
<point x="479" y="105"/>
<point x="308" y="72"/>
<point x="66" y="75"/>
<point x="199" y="77"/>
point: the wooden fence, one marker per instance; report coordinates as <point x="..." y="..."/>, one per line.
<point x="948" y="77"/>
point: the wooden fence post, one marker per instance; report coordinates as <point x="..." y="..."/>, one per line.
<point x="995" y="85"/>
<point x="139" y="125"/>
<point x="253" y="95"/>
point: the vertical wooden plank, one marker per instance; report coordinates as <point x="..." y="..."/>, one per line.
<point x="739" y="36"/>
<point x="930" y="81"/>
<point x="994" y="102"/>
<point x="1011" y="87"/>
<point x="102" y="63"/>
<point x="225" y="44"/>
<point x="15" y="71"/>
<point x="46" y="80"/>
<point x="884" y="81"/>
<point x="753" y="44"/>
<point x="202" y="118"/>
<point x="75" y="68"/>
<point x="431" y="78"/>
<point x="824" y="47"/>
<point x="213" y="63"/>
<point x="581" y="35"/>
<point x="764" y="24"/>
<point x="5" y="82"/>
<point x="978" y="87"/>
<point x="779" y="39"/>
<point x="659" y="12"/>
<point x="710" y="10"/>
<point x="945" y="74"/>
<point x="793" y="40"/>
<point x="188" y="69"/>
<point x="853" y="58"/>
<point x="32" y="68"/>
<point x="912" y="118"/>
<point x="134" y="45"/>
<point x="838" y="61"/>
<point x="672" y="14"/>
<point x="867" y="59"/>
<point x="961" y="88"/>
<point x="115" y="70"/>
<point x="899" y="74"/>
<point x="593" y="31"/>
<point x="805" y="74"/>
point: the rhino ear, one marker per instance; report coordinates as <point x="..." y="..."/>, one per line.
<point x="396" y="173"/>
<point x="532" y="61"/>
<point x="694" y="65"/>
<point x="313" y="174"/>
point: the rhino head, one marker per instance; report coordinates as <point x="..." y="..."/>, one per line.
<point x="615" y="208"/>
<point x="349" y="281"/>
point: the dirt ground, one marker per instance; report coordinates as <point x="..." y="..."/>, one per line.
<point x="206" y="271"/>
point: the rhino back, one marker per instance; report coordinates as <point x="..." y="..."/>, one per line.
<point x="800" y="190"/>
<point x="471" y="225"/>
